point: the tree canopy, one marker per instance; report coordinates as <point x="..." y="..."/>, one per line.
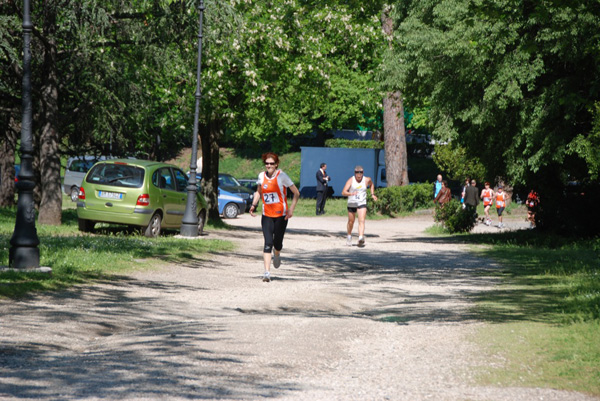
<point x="513" y="82"/>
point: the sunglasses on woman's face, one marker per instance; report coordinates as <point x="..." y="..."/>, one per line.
<point x="358" y="172"/>
<point x="269" y="164"/>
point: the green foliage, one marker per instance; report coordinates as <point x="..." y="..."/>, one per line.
<point x="352" y="144"/>
<point x="294" y="68"/>
<point x="270" y="70"/>
<point x="454" y="218"/>
<point x="511" y="82"/>
<point x="403" y="199"/>
<point x="588" y="146"/>
<point x="455" y="161"/>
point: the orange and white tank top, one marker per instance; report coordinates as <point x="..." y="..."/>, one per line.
<point x="487" y="197"/>
<point x="500" y="201"/>
<point x="274" y="193"/>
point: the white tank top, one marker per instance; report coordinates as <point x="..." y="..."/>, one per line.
<point x="360" y="188"/>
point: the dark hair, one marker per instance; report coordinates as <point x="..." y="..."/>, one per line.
<point x="323" y="165"/>
<point x="487" y="183"/>
<point x="445" y="183"/>
<point x="270" y="155"/>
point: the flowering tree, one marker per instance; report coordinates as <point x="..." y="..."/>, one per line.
<point x="284" y="68"/>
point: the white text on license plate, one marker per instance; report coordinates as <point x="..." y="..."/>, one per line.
<point x="110" y="195"/>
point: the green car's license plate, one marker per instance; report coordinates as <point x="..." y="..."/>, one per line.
<point x="109" y="195"/>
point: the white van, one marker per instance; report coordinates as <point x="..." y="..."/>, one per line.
<point x="77" y="167"/>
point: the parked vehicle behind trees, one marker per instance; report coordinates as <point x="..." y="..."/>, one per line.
<point x="139" y="193"/>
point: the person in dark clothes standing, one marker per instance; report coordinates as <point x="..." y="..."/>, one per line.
<point x="322" y="186"/>
<point x="472" y="195"/>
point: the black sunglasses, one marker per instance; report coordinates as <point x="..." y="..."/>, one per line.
<point x="269" y="164"/>
<point x="358" y="172"/>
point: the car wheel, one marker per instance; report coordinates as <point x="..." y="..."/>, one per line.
<point x="230" y="211"/>
<point x="153" y="229"/>
<point x="201" y="221"/>
<point x="74" y="194"/>
<point x="86" y="226"/>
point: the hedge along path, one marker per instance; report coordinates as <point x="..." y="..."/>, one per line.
<point x="388" y="321"/>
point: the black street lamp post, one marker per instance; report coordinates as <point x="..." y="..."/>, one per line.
<point x="189" y="223"/>
<point x="24" y="252"/>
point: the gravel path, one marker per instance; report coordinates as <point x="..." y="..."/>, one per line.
<point x="386" y="322"/>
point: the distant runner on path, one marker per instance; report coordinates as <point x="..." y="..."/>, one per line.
<point x="272" y="188"/>
<point x="356" y="191"/>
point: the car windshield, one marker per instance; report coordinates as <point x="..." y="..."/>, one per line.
<point x="228" y="180"/>
<point x="118" y="175"/>
<point x="81" y="166"/>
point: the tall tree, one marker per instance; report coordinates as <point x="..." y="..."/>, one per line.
<point x="394" y="130"/>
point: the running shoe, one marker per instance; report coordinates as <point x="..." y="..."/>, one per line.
<point x="276" y="260"/>
<point x="267" y="277"/>
<point x="349" y="241"/>
<point x="361" y="242"/>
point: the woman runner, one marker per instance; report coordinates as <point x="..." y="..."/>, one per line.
<point x="272" y="188"/>
<point x="487" y="194"/>
<point x="356" y="191"/>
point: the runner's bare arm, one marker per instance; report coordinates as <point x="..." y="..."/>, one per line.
<point x="345" y="191"/>
<point x="296" y="193"/>
<point x="370" y="184"/>
<point x="255" y="200"/>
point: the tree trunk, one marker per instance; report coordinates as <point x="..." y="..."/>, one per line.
<point x="50" y="211"/>
<point x="394" y="134"/>
<point x="7" y="163"/>
<point x="209" y="137"/>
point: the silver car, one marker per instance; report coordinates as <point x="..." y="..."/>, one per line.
<point x="77" y="167"/>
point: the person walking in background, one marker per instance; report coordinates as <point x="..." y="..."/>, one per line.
<point x="533" y="201"/>
<point x="464" y="192"/>
<point x="437" y="186"/>
<point x="500" y="204"/>
<point x="471" y="196"/>
<point x="322" y="186"/>
<point x="443" y="195"/>
<point x="356" y="191"/>
<point x="487" y="194"/>
<point x="272" y="186"/>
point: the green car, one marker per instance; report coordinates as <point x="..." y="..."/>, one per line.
<point x="140" y="193"/>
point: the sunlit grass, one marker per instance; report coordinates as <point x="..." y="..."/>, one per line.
<point x="78" y="258"/>
<point x="545" y="317"/>
<point x="542" y="355"/>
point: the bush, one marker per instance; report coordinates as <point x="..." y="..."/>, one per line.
<point x="454" y="218"/>
<point x="407" y="198"/>
<point x="353" y="144"/>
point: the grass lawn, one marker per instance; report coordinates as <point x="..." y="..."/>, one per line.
<point x="545" y="318"/>
<point x="77" y="258"/>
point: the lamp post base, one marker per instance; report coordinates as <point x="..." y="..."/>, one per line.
<point x="24" y="257"/>
<point x="189" y="230"/>
<point x="43" y="269"/>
